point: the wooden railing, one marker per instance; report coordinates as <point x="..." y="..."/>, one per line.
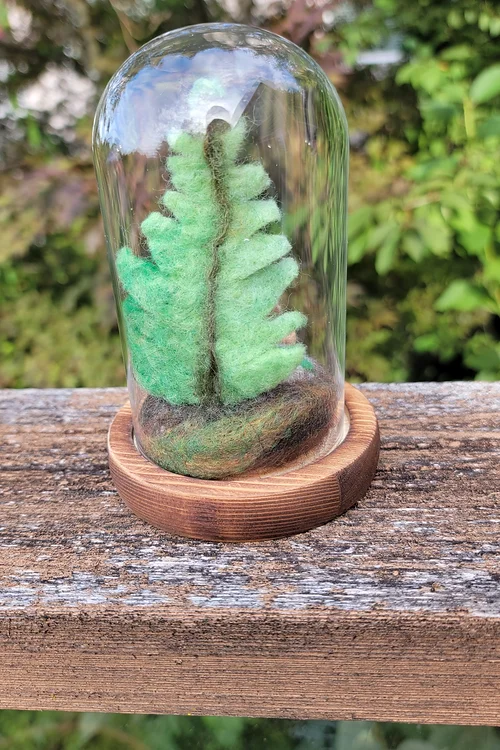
<point x="392" y="612"/>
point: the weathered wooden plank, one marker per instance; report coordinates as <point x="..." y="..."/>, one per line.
<point x="391" y="612"/>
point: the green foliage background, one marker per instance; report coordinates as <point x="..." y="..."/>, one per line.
<point x="424" y="278"/>
<point x="424" y="231"/>
<point x="30" y="730"/>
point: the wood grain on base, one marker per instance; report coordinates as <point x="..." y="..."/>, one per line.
<point x="249" y="507"/>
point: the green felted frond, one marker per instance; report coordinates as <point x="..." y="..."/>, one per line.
<point x="201" y="312"/>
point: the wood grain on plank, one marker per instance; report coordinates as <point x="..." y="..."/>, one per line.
<point x="390" y="612"/>
<point x="248" y="507"/>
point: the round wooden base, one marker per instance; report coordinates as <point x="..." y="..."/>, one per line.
<point x="249" y="507"/>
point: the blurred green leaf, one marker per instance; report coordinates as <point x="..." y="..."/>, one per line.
<point x="458" y="52"/>
<point x="33" y="133"/>
<point x="465" y="738"/>
<point x="357" y="735"/>
<point x="388" y="252"/>
<point x="414" y="246"/>
<point x="89" y="724"/>
<point x="455" y="19"/>
<point x="477" y="239"/>
<point x="427" y="343"/>
<point x="462" y="295"/>
<point x="4" y="18"/>
<point x="490" y="127"/>
<point x="486" y="85"/>
<point x="492" y="270"/>
<point x="482" y="353"/>
<point x="380" y="234"/>
<point x="440" y="111"/>
<point x="433" y="229"/>
<point x="494" y="26"/>
<point x="359" y="220"/>
<point x="229" y="731"/>
<point x="356" y="249"/>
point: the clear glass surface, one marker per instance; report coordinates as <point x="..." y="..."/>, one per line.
<point x="221" y="155"/>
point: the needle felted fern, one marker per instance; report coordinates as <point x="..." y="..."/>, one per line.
<point x="199" y="312"/>
<point x="207" y="338"/>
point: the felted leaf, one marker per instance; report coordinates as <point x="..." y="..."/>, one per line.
<point x="202" y="312"/>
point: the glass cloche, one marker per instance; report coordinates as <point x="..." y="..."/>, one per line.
<point x="221" y="155"/>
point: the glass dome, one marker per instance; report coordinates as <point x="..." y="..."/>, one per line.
<point x="221" y="155"/>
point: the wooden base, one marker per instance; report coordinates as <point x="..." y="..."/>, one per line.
<point x="249" y="507"/>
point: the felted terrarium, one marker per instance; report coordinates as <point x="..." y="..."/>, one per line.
<point x="221" y="156"/>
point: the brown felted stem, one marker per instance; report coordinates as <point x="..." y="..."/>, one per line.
<point x="214" y="155"/>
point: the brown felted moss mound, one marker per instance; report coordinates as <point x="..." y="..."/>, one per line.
<point x="262" y="433"/>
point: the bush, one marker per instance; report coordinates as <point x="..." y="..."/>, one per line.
<point x="424" y="280"/>
<point x="424" y="232"/>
